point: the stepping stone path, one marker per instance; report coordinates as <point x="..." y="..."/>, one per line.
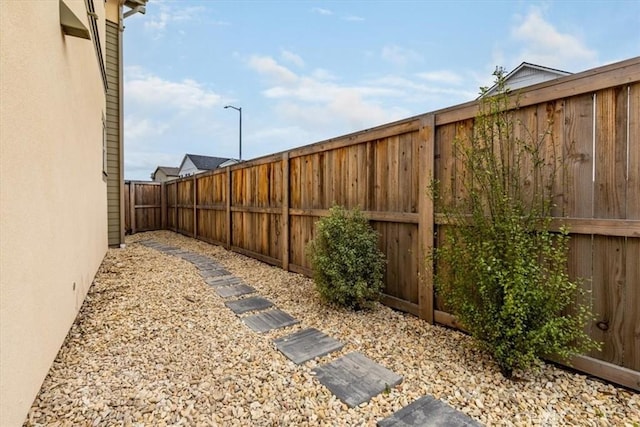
<point x="223" y="281"/>
<point x="353" y="378"/>
<point x="234" y="290"/>
<point x="307" y="344"/>
<point x="240" y="306"/>
<point x="268" y="320"/>
<point x="428" y="412"/>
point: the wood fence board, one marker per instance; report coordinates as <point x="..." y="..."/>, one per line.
<point x="463" y="136"/>
<point x="445" y="162"/>
<point x="426" y="218"/>
<point x="393" y="258"/>
<point x="611" y="153"/>
<point x="363" y="176"/>
<point x="608" y="302"/>
<point x="578" y="148"/>
<point x="633" y="174"/>
<point x="405" y="171"/>
<point x="417" y="191"/>
<point x="550" y="124"/>
<point x="381" y="173"/>
<point x="393" y="183"/>
<point x="631" y="325"/>
<point x="294" y="186"/>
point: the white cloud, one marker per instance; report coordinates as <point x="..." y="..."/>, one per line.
<point x="322" y="74"/>
<point x="166" y="118"/>
<point x="545" y="45"/>
<point x="398" y="55"/>
<point x="150" y="90"/>
<point x="140" y="129"/>
<point x="320" y="102"/>
<point x="292" y="58"/>
<point x="442" y="76"/>
<point x="161" y="14"/>
<point x="321" y="11"/>
<point x="270" y="67"/>
<point x="353" y="18"/>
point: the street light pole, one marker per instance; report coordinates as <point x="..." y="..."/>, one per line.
<point x="239" y="110"/>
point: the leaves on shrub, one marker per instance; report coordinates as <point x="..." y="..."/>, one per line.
<point x="501" y="271"/>
<point x="348" y="268"/>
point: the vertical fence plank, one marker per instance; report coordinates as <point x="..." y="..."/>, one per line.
<point x="609" y="251"/>
<point x="132" y="206"/>
<point x="175" y="208"/>
<point x="163" y="206"/>
<point x="195" y="207"/>
<point x="426" y="136"/>
<point x="631" y="333"/>
<point x="285" y="211"/>
<point x="228" y="203"/>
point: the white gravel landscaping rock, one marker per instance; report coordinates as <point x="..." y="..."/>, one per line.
<point x="155" y="345"/>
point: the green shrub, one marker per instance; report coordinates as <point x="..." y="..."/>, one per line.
<point x="347" y="266"/>
<point x="501" y="271"/>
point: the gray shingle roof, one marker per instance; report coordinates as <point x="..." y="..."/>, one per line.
<point x="206" y="162"/>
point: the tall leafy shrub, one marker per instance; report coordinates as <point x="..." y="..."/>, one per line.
<point x="501" y="271"/>
<point x="347" y="266"/>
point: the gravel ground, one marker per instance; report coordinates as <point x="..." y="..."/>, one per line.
<point x="154" y="345"/>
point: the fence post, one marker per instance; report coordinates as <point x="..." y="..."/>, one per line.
<point x="195" y="207"/>
<point x="426" y="141"/>
<point x="175" y="209"/>
<point x="163" y="206"/>
<point x="229" y="207"/>
<point x="285" y="211"/>
<point x="132" y="206"/>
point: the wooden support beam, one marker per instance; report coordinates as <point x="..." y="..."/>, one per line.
<point x="132" y="206"/>
<point x="285" y="211"/>
<point x="229" y="224"/>
<point x="195" y="208"/>
<point x="163" y="206"/>
<point x="426" y="141"/>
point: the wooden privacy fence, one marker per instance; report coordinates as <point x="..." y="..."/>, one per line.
<point x="266" y="208"/>
<point x="144" y="207"/>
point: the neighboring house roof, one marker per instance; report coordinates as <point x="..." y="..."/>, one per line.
<point x="167" y="170"/>
<point x="228" y="163"/>
<point x="527" y="74"/>
<point x="204" y="162"/>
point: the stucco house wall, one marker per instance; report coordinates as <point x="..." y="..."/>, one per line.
<point x="53" y="204"/>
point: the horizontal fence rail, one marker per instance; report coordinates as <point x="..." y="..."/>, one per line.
<point x="266" y="208"/>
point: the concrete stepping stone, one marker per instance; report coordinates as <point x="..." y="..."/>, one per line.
<point x="269" y="320"/>
<point x="158" y="246"/>
<point x="214" y="273"/>
<point x="223" y="281"/>
<point x="355" y="379"/>
<point x="307" y="344"/>
<point x="240" y="306"/>
<point x="428" y="412"/>
<point x="234" y="290"/>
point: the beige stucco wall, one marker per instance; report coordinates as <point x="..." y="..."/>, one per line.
<point x="53" y="213"/>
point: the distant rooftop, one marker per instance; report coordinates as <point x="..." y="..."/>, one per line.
<point x="206" y="162"/>
<point x="527" y="74"/>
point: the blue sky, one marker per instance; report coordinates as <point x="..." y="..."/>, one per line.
<point x="304" y="71"/>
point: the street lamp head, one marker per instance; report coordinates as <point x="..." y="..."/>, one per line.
<point x="235" y="108"/>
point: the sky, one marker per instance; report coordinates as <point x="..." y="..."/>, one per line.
<point x="305" y="71"/>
